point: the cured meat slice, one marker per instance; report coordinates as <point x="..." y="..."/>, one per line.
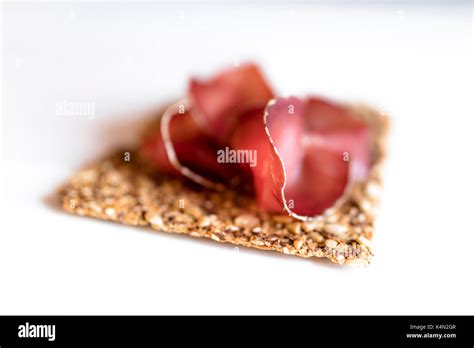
<point x="179" y="146"/>
<point x="194" y="129"/>
<point x="319" y="149"/>
<point x="308" y="151"/>
<point x="218" y="103"/>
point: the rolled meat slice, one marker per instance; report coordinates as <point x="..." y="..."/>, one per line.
<point x="308" y="151"/>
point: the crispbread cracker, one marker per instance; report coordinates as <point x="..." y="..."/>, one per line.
<point x="131" y="193"/>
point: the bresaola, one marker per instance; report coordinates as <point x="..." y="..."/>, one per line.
<point x="328" y="150"/>
<point x="308" y="151"/>
<point x="195" y="128"/>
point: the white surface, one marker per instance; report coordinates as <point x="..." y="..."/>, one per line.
<point x="416" y="62"/>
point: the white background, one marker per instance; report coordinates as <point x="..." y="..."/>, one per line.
<point x="416" y="62"/>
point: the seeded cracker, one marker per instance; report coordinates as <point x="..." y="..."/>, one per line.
<point x="132" y="193"/>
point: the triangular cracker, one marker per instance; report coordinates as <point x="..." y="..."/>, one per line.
<point x="131" y="193"/>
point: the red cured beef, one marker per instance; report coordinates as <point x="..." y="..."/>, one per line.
<point x="219" y="102"/>
<point x="308" y="151"/>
